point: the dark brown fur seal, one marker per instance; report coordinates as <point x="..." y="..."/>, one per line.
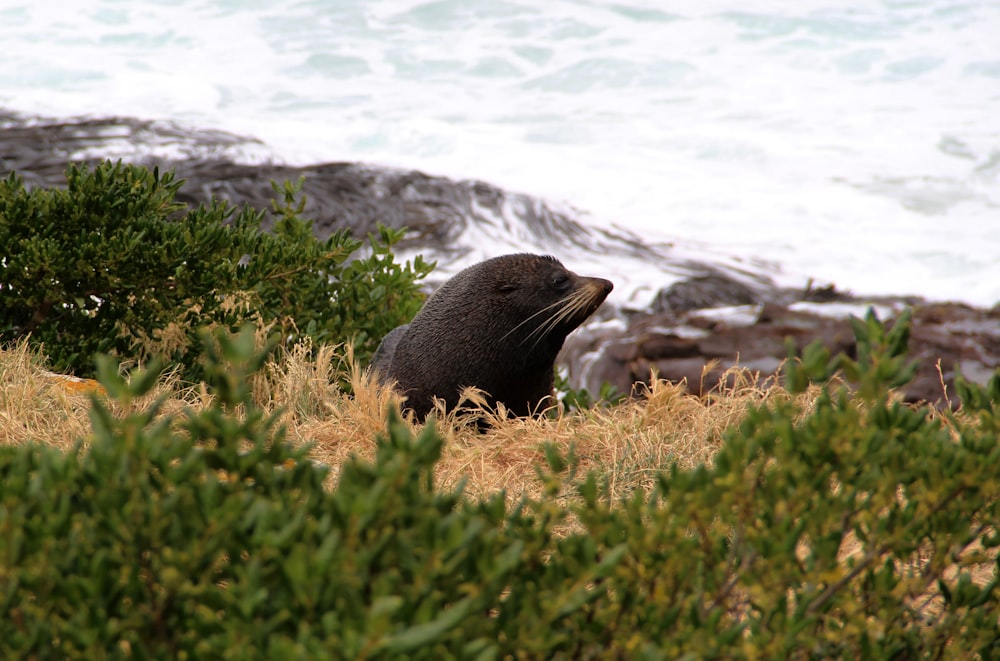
<point x="498" y="326"/>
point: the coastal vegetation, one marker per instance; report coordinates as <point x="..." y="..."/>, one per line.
<point x="249" y="492"/>
<point x="112" y="264"/>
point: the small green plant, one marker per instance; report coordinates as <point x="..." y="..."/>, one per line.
<point x="113" y="264"/>
<point x="580" y="399"/>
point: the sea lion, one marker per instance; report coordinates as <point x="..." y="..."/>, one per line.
<point x="498" y="326"/>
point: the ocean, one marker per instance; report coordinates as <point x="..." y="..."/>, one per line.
<point x="856" y="143"/>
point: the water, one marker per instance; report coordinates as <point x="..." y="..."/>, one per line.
<point x="854" y="142"/>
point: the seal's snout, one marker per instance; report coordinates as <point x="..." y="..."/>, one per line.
<point x="591" y="294"/>
<point x="600" y="287"/>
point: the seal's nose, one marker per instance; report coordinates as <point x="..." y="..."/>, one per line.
<point x="605" y="286"/>
<point x="600" y="288"/>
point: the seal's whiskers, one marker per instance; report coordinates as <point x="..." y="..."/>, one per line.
<point x="542" y="311"/>
<point x="568" y="309"/>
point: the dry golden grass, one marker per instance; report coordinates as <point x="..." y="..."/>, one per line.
<point x="37" y="405"/>
<point x="627" y="443"/>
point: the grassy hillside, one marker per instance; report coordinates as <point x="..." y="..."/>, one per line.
<point x="789" y="521"/>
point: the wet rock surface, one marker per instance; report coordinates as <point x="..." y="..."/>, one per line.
<point x="705" y="318"/>
<point x="449" y="222"/>
<point x="946" y="338"/>
<point x="445" y="219"/>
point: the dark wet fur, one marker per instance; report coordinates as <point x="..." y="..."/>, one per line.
<point x="498" y="326"/>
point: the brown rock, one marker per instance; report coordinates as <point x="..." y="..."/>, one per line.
<point x="946" y="339"/>
<point x="658" y="345"/>
<point x="707" y="291"/>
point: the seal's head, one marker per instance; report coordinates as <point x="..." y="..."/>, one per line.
<point x="498" y="326"/>
<point x="550" y="299"/>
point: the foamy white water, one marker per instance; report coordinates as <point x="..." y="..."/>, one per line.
<point x="855" y="142"/>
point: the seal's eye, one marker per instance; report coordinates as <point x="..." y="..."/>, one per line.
<point x="560" y="281"/>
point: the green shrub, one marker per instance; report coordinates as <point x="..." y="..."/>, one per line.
<point x="112" y="264"/>
<point x="204" y="536"/>
<point x="850" y="530"/>
<point x="208" y="537"/>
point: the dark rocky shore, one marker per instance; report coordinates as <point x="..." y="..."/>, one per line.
<point x="723" y="313"/>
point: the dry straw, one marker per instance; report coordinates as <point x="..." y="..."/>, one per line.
<point x="627" y="444"/>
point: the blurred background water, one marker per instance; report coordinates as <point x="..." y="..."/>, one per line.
<point x="854" y="142"/>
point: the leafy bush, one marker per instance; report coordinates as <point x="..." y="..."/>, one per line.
<point x="112" y="264"/>
<point x="850" y="530"/>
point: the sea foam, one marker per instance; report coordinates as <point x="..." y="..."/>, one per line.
<point x="849" y="142"/>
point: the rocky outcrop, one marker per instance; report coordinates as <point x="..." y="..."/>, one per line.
<point x="453" y="223"/>
<point x="707" y="316"/>
<point x="699" y="345"/>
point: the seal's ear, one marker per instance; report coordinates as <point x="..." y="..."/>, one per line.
<point x="507" y="287"/>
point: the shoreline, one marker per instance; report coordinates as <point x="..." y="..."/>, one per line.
<point x="701" y="310"/>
